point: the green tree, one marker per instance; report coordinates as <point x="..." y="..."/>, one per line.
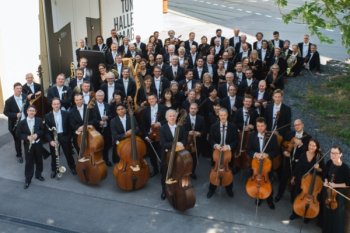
<point x="322" y="14"/>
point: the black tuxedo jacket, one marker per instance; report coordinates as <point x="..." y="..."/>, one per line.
<point x="203" y="50"/>
<point x="284" y="119"/>
<point x="77" y="54"/>
<point x="166" y="137"/>
<point x="164" y="84"/>
<point x="240" y="55"/>
<point x="146" y="126"/>
<point x="230" y="66"/>
<point x="188" y="47"/>
<point x="183" y="84"/>
<point x="232" y="41"/>
<point x="131" y="89"/>
<point x="50" y="122"/>
<point x="104" y="88"/>
<point x="115" y="66"/>
<point x="236" y="79"/>
<point x="238" y="47"/>
<point x="267" y="97"/>
<point x="117" y="129"/>
<point x="243" y="88"/>
<point x="239" y="119"/>
<point x="301" y="45"/>
<point x="314" y="63"/>
<point x="191" y="62"/>
<point x="26" y="89"/>
<point x="266" y="61"/>
<point x="11" y="109"/>
<point x="225" y="102"/>
<point x="23" y="130"/>
<point x="281" y="63"/>
<point x="164" y="67"/>
<point x="272" y="148"/>
<point x="98" y="116"/>
<point x="305" y="139"/>
<point x="272" y="44"/>
<point x="66" y="97"/>
<point x="104" y="48"/>
<point x="231" y="135"/>
<point x="109" y="40"/>
<point x="196" y="74"/>
<point x="198" y="126"/>
<point x="222" y="90"/>
<point x="110" y="60"/>
<point x="75" y="120"/>
<point x="121" y="50"/>
<point x="215" y="73"/>
<point x="180" y="75"/>
<point x="73" y="83"/>
<point x="212" y="40"/>
<point x="142" y="48"/>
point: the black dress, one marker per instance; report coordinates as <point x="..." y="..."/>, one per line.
<point x="334" y="220"/>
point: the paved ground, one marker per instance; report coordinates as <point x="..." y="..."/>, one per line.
<point x="69" y="206"/>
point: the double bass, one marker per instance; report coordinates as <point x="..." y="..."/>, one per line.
<point x="40" y="101"/>
<point x="90" y="166"/>
<point x="132" y="172"/>
<point x="178" y="187"/>
<point x="221" y="173"/>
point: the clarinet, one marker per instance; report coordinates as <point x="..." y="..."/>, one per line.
<point x="19" y="118"/>
<point x="59" y="169"/>
<point x="31" y="141"/>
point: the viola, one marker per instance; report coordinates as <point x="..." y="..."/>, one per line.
<point x="132" y="171"/>
<point x="90" y="166"/>
<point x="331" y="200"/>
<point x="178" y="187"/>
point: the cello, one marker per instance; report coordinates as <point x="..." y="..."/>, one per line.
<point x="221" y="173"/>
<point x="90" y="166"/>
<point x="178" y="187"/>
<point x="132" y="172"/>
<point x="306" y="204"/>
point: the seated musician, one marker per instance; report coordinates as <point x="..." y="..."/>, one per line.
<point x="167" y="133"/>
<point x="60" y="120"/>
<point x="30" y="130"/>
<point x="85" y="91"/>
<point x="299" y="140"/>
<point x="126" y="85"/>
<point x="60" y="91"/>
<point x="223" y="137"/>
<point x="195" y="126"/>
<point x="153" y="118"/>
<point x="75" y="83"/>
<point x="312" y="60"/>
<point x="257" y="148"/>
<point x="77" y="117"/>
<point x="15" y="109"/>
<point x="245" y="118"/>
<point x="109" y="87"/>
<point x="30" y="88"/>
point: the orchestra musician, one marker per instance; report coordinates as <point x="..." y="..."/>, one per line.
<point x="30" y="130"/>
<point x="159" y="82"/>
<point x="82" y="47"/>
<point x="60" y="120"/>
<point x="126" y="85"/>
<point x="249" y="84"/>
<point x="227" y="143"/>
<point x="261" y="98"/>
<point x="60" y="91"/>
<point x="109" y="88"/>
<point x="85" y="91"/>
<point x="245" y="118"/>
<point x="75" y="83"/>
<point x="30" y="88"/>
<point x="15" y="109"/>
<point x="167" y="133"/>
<point x="232" y="102"/>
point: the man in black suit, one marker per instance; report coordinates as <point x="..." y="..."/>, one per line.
<point x="175" y="72"/>
<point x="278" y="115"/>
<point x="235" y="39"/>
<point x="257" y="45"/>
<point x="190" y="42"/>
<point x="77" y="116"/>
<point x="305" y="46"/>
<point x="59" y="119"/>
<point x="199" y="70"/>
<point x="223" y="137"/>
<point x="239" y="75"/>
<point x="82" y="47"/>
<point x="228" y="65"/>
<point x="245" y="118"/>
<point x="15" y="109"/>
<point x="259" y="149"/>
<point x="140" y="46"/>
<point x="218" y="36"/>
<point x="167" y="134"/>
<point x="100" y="46"/>
<point x="276" y="42"/>
<point x="248" y="85"/>
<point x="159" y="83"/>
<point x="102" y="118"/>
<point x="109" y="88"/>
<point x="278" y="59"/>
<point x="75" y="83"/>
<point x="126" y="86"/>
<point x="132" y="52"/>
<point x="197" y="131"/>
<point x="218" y="49"/>
<point x="124" y="48"/>
<point x="60" y="91"/>
<point x="111" y="55"/>
<point x="223" y="88"/>
<point x="192" y="56"/>
<point x="30" y="130"/>
<point x="118" y="66"/>
<point x="212" y="68"/>
<point x="264" y="55"/>
<point x="232" y="102"/>
<point x="245" y="52"/>
<point x="261" y="98"/>
<point x="188" y="83"/>
<point x="88" y="74"/>
<point x="115" y="38"/>
<point x="153" y="118"/>
<point x="30" y="88"/>
<point x="160" y="62"/>
<point x="312" y="60"/>
<point x="239" y="46"/>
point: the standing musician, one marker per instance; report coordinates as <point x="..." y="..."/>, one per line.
<point x="223" y="137"/>
<point x="298" y="141"/>
<point x="232" y="102"/>
<point x="85" y="91"/>
<point x="249" y="84"/>
<point x="60" y="120"/>
<point x="196" y="128"/>
<point x="102" y="116"/>
<point x="337" y="176"/>
<point x="76" y="118"/>
<point x="159" y="83"/>
<point x="126" y="85"/>
<point x="60" y="91"/>
<point x="30" y="130"/>
<point x="308" y="161"/>
<point x="245" y="118"/>
<point x="261" y="98"/>
<point x="15" y="109"/>
<point x="30" y="88"/>
<point x="167" y="134"/>
<point x="75" y="83"/>
<point x="256" y="146"/>
<point x="274" y="79"/>
<point x="153" y="118"/>
<point x="188" y="83"/>
<point x="109" y="88"/>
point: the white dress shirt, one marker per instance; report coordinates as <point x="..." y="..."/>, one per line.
<point x="154" y="112"/>
<point x="276" y="108"/>
<point x="172" y="129"/>
<point x="58" y="121"/>
<point x="126" y="83"/>
<point x="261" y="141"/>
<point x="110" y="91"/>
<point x="123" y="121"/>
<point x="81" y="111"/>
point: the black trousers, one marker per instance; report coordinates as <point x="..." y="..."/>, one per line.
<point x="284" y="176"/>
<point x="106" y="133"/>
<point x="33" y="157"/>
<point x="65" y="144"/>
<point x="18" y="145"/>
<point x="152" y="155"/>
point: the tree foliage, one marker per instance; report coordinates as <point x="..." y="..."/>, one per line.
<point x="322" y="14"/>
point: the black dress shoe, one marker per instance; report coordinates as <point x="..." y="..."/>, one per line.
<point x="278" y="198"/>
<point x="229" y="192"/>
<point x="40" y="178"/>
<point x="193" y="176"/>
<point x="271" y="205"/>
<point x="257" y="202"/>
<point x="210" y="194"/>
<point x="20" y="159"/>
<point x="108" y="163"/>
<point x="26" y="185"/>
<point x="53" y="174"/>
<point x="162" y="196"/>
<point x="73" y="171"/>
<point x="293" y="216"/>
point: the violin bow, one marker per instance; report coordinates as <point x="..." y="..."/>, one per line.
<point x="340" y="193"/>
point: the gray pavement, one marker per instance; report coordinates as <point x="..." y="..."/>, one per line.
<point x="67" y="205"/>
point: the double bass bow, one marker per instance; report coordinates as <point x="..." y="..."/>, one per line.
<point x="241" y="157"/>
<point x="132" y="172"/>
<point x="178" y="187"/>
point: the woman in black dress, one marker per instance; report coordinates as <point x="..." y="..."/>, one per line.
<point x="336" y="175"/>
<point x="168" y="100"/>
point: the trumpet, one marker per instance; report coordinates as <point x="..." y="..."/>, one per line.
<point x="59" y="169"/>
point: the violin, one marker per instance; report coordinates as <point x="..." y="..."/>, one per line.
<point x="132" y="171"/>
<point x="221" y="173"/>
<point x="306" y="204"/>
<point x="331" y="200"/>
<point x="91" y="168"/>
<point x="154" y="134"/>
<point x="178" y="187"/>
